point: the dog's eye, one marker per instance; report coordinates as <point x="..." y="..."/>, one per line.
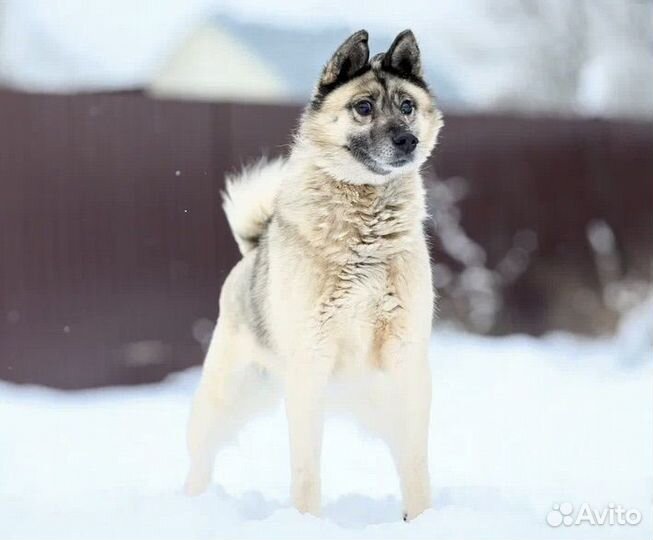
<point x="364" y="108"/>
<point x="406" y="107"/>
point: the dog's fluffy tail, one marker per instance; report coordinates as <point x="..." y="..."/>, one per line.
<point x="248" y="201"/>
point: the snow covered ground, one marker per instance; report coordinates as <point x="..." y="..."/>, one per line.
<point x="518" y="425"/>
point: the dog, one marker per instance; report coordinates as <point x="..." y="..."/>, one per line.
<point x="334" y="286"/>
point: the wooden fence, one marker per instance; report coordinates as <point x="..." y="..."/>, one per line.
<point x="113" y="245"/>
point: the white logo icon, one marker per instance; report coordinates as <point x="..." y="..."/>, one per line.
<point x="563" y="514"/>
<point x="560" y="514"/>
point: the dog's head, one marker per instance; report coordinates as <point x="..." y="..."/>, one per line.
<point x="372" y="120"/>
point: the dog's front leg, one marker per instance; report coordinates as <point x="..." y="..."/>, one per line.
<point x="412" y="377"/>
<point x="305" y="387"/>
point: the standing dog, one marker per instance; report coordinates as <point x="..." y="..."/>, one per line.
<point x="335" y="283"/>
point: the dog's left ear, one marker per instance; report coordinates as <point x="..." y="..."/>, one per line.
<point x="403" y="56"/>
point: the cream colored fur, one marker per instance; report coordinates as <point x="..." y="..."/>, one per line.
<point x="249" y="199"/>
<point x="347" y="304"/>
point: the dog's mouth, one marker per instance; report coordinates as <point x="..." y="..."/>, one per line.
<point x="400" y="162"/>
<point x="373" y="164"/>
<point x="366" y="159"/>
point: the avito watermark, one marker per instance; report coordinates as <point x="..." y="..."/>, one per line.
<point x="612" y="514"/>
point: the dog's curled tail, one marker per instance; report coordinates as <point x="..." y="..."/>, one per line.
<point x="248" y="201"/>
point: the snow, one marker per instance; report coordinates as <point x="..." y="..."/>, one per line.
<point x="518" y="424"/>
<point x="104" y="44"/>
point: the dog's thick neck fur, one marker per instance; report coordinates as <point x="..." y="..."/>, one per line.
<point x="346" y="222"/>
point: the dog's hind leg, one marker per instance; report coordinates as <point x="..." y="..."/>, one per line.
<point x="229" y="393"/>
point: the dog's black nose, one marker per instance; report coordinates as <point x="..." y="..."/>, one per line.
<point x="405" y="141"/>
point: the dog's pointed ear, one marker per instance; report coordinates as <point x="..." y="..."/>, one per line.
<point x="403" y="56"/>
<point x="349" y="60"/>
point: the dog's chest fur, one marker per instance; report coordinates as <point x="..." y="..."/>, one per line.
<point x="361" y="233"/>
<point x="360" y="238"/>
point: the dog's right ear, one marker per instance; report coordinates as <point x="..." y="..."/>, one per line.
<point x="347" y="62"/>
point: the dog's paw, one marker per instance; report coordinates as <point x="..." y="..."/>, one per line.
<point x="306" y="495"/>
<point x="411" y="513"/>
<point x="196" y="484"/>
<point x="194" y="489"/>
